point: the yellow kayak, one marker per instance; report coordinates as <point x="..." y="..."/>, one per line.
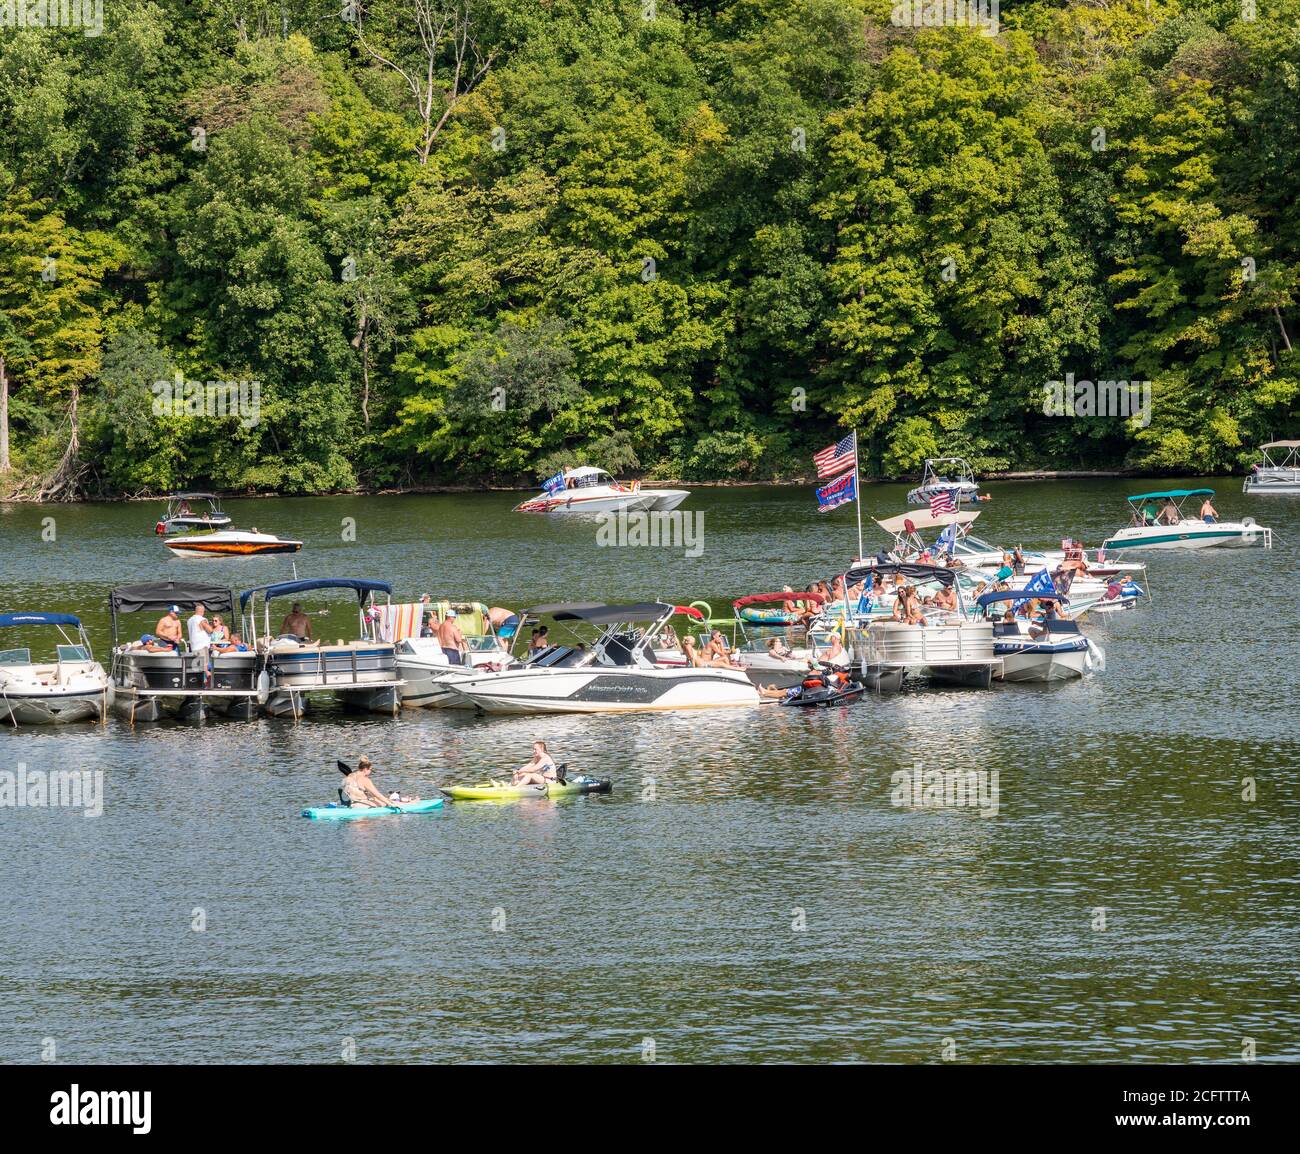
<point x="504" y="791"/>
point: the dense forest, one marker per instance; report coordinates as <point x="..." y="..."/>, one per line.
<point x="461" y="241"/>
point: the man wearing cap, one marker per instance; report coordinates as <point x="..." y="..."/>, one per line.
<point x="169" y="627"/>
<point x="452" y="639"/>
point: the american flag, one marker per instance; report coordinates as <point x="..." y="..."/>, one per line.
<point x="942" y="502"/>
<point x="837" y="457"/>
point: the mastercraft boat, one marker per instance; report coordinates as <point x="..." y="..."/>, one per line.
<point x="362" y="674"/>
<point x="618" y="672"/>
<point x="1053" y="649"/>
<point x="230" y="543"/>
<point x="590" y="490"/>
<point x="946" y="475"/>
<point x="73" y="687"/>
<point x="181" y="518"/>
<point x="1156" y="526"/>
<point x="1275" y="476"/>
<point x="153" y="679"/>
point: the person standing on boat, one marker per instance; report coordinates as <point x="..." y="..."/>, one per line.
<point x="1209" y="514"/>
<point x="452" y="639"/>
<point x="200" y="630"/>
<point x="169" y="627"/>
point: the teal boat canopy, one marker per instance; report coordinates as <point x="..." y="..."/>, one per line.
<point x="1173" y="493"/>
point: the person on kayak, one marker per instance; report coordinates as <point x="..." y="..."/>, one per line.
<point x="359" y="790"/>
<point x="539" y="771"/>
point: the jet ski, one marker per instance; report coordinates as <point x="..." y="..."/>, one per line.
<point x="824" y="687"/>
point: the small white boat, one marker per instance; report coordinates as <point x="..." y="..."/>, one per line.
<point x="618" y="673"/>
<point x="1275" y="476"/>
<point x="73" y="687"/>
<point x="231" y="543"/>
<point x="181" y="517"/>
<point x="1155" y="527"/>
<point x="427" y="673"/>
<point x="943" y="475"/>
<point x="1053" y="649"/>
<point x="590" y="490"/>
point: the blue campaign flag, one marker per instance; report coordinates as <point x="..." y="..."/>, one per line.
<point x="1040" y="582"/>
<point x="554" y="484"/>
<point x="947" y="539"/>
<point x="839" y="492"/>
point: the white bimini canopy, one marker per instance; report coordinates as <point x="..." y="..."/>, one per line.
<point x="923" y="519"/>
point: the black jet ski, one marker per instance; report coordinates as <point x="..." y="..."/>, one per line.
<point x="824" y="687"/>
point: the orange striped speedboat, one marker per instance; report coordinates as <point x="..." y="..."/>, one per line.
<point x="230" y="543"/>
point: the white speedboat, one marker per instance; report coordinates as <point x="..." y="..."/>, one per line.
<point x="230" y="543"/>
<point x="1156" y="526"/>
<point x="1275" y="476"/>
<point x="946" y="475"/>
<point x="73" y="687"/>
<point x="181" y="517"/>
<point x="590" y="490"/>
<point x="1053" y="649"/>
<point x="361" y="673"/>
<point x="617" y="673"/>
<point x="427" y="673"/>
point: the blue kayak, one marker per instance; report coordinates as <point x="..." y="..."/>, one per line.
<point x="335" y="812"/>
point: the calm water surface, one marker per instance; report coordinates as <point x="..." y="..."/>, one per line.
<point x="673" y="919"/>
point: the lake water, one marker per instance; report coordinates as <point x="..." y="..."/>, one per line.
<point x="749" y="892"/>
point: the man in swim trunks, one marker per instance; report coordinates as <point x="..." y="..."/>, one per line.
<point x="452" y="639"/>
<point x="169" y="627"/>
<point x="296" y="624"/>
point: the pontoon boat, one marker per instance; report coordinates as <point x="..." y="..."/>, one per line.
<point x="1276" y="476"/>
<point x="74" y="687"/>
<point x="591" y="490"/>
<point x="1156" y="526"/>
<point x="152" y="678"/>
<point x="362" y="674"/>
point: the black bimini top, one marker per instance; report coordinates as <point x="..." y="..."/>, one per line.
<point x="158" y="596"/>
<point x="913" y="572"/>
<point x="598" y="614"/>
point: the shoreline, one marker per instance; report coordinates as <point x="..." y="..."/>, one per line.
<point x="792" y="482"/>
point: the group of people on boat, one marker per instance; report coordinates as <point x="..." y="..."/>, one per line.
<point x="200" y="634"/>
<point x="1169" y="514"/>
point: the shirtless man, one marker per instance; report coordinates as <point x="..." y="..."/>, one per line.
<point x="452" y="639"/>
<point x="361" y="791"/>
<point x="169" y="627"/>
<point x="296" y="624"/>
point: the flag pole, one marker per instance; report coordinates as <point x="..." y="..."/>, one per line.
<point x="857" y="490"/>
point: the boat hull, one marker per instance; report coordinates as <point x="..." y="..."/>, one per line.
<point x="608" y="691"/>
<point x="184" y="548"/>
<point x="1190" y="535"/>
<point x="1283" y="485"/>
<point x="55" y="708"/>
<point x="1043" y="663"/>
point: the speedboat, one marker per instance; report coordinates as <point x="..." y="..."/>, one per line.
<point x="361" y="674"/>
<point x="1152" y="527"/>
<point x="231" y="543"/>
<point x="1275" y="476"/>
<point x="947" y="648"/>
<point x="946" y="475"/>
<point x="590" y="490"/>
<point x="152" y="679"/>
<point x="73" y="687"/>
<point x="617" y="673"/>
<point x="1053" y="649"/>
<point x="427" y="673"/>
<point x="181" y="518"/>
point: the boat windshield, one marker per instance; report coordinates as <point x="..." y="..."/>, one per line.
<point x="591" y="480"/>
<point x="73" y="653"/>
<point x="15" y="656"/>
